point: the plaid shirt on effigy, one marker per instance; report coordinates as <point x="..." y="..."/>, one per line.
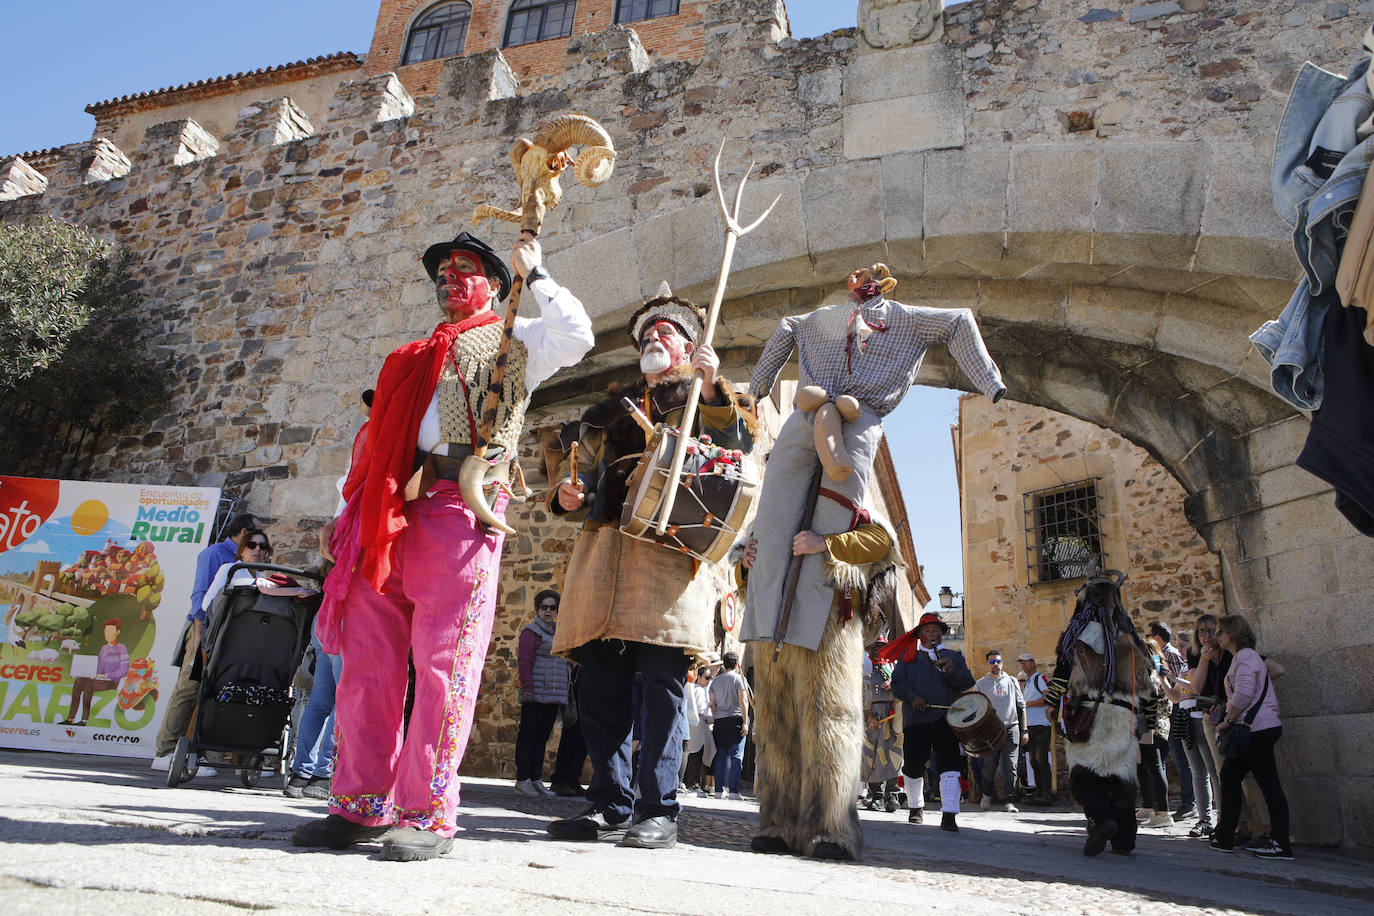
<point x="880" y="373"/>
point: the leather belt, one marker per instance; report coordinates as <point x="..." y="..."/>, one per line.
<point x="430" y="468"/>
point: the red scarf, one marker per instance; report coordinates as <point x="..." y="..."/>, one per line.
<point x="903" y="648"/>
<point x="404" y="389"/>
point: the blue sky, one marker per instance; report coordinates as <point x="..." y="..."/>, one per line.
<point x="85" y="51"/>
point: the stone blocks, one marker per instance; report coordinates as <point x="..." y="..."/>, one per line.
<point x="475" y="80"/>
<point x="103" y="161"/>
<point x="909" y="99"/>
<point x="19" y="179"/>
<point x="180" y="142"/>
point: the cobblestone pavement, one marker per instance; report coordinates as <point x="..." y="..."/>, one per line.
<point x="81" y="834"/>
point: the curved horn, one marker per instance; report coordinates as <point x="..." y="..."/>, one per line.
<point x="594" y="166"/>
<point x="572" y="130"/>
<point x="470" y="479"/>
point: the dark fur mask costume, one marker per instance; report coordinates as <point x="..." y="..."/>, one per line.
<point x="624" y="438"/>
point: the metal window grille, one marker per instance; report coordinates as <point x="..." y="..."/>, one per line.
<point x="635" y="10"/>
<point x="1064" y="532"/>
<point x="440" y="32"/>
<point x="539" y="20"/>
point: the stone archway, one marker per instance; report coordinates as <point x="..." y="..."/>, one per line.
<point x="1132" y="317"/>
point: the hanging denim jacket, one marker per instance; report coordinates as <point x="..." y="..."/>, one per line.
<point x="1320" y="165"/>
<point x="1292" y="346"/>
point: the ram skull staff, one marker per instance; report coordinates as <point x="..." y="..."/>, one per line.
<point x="538" y="163"/>
<point x="733" y="232"/>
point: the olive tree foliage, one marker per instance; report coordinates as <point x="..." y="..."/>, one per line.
<point x="44" y="269"/>
<point x="71" y="329"/>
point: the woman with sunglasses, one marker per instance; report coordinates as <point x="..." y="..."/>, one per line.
<point x="256" y="548"/>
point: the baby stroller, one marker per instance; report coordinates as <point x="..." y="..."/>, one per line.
<point x="252" y="645"/>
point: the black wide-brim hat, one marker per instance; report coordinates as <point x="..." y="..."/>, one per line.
<point x="436" y="254"/>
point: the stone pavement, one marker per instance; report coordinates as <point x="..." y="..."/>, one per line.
<point x="81" y="834"/>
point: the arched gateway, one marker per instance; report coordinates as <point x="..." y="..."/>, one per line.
<point x="1095" y="187"/>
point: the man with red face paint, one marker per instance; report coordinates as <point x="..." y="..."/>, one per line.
<point x="416" y="571"/>
<point x="630" y="606"/>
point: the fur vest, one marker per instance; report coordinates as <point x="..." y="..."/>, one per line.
<point x="622" y="442"/>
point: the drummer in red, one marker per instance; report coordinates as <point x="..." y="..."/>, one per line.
<point x="928" y="675"/>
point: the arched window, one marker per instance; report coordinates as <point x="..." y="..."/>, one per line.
<point x="537" y="20"/>
<point x="635" y="10"/>
<point x="439" y="32"/>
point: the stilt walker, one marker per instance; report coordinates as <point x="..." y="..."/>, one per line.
<point x="857" y="361"/>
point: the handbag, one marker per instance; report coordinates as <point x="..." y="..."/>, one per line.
<point x="1234" y="741"/>
<point x="1076" y="718"/>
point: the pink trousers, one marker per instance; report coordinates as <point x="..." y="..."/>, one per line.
<point x="439" y="605"/>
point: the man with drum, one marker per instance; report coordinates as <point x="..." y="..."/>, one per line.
<point x="928" y="677"/>
<point x="630" y="605"/>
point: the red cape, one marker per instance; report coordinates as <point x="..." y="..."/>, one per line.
<point x="404" y="389"/>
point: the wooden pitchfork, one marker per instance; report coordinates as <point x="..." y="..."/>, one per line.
<point x="733" y="233"/>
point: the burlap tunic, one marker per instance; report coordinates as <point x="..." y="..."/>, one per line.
<point x="618" y="587"/>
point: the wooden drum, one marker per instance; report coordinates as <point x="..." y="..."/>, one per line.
<point x="975" y="723"/>
<point x="718" y="489"/>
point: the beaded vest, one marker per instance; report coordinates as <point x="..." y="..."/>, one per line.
<point x="475" y="355"/>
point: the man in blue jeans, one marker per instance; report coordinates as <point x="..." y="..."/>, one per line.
<point x="313" y="764"/>
<point x="629" y="605"/>
<point x="730" y="712"/>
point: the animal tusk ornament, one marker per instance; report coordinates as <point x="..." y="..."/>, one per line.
<point x="733" y="233"/>
<point x="538" y="163"/>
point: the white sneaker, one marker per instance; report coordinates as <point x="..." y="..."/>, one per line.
<point x="541" y="788"/>
<point x="1144" y="814"/>
<point x="702" y="793"/>
<point x="1011" y="809"/>
<point x="735" y="796"/>
<point x="1161" y="819"/>
<point x="163" y="763"/>
<point x="986" y="803"/>
<point x="526" y="787"/>
<point x="203" y="770"/>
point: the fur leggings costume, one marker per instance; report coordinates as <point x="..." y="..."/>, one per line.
<point x="809" y="736"/>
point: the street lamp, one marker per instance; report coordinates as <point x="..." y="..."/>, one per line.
<point x="949" y="601"/>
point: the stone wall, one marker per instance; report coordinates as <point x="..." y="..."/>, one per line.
<point x="1009" y="449"/>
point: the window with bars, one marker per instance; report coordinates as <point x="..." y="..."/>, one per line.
<point x="539" y="20"/>
<point x="635" y="10"/>
<point x="1064" y="532"/>
<point x="441" y="31"/>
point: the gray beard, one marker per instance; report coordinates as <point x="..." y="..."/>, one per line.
<point x="655" y="360"/>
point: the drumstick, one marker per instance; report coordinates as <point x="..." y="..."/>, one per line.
<point x="573" y="474"/>
<point x="638" y="415"/>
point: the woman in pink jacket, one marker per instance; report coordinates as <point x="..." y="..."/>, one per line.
<point x="1251" y="698"/>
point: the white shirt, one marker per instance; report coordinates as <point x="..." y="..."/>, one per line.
<point x="241" y="577"/>
<point x="1005" y="693"/>
<point x="558" y="338"/>
<point x="1035" y="715"/>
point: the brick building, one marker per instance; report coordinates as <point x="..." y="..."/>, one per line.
<point x="414" y="37"/>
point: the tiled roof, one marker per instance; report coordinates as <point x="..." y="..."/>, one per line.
<point x="301" y="69"/>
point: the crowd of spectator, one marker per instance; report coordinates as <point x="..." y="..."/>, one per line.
<point x="1209" y="682"/>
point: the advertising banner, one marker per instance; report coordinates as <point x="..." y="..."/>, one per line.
<point x="95" y="584"/>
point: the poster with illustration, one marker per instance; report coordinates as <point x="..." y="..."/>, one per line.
<point x="95" y="584"/>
